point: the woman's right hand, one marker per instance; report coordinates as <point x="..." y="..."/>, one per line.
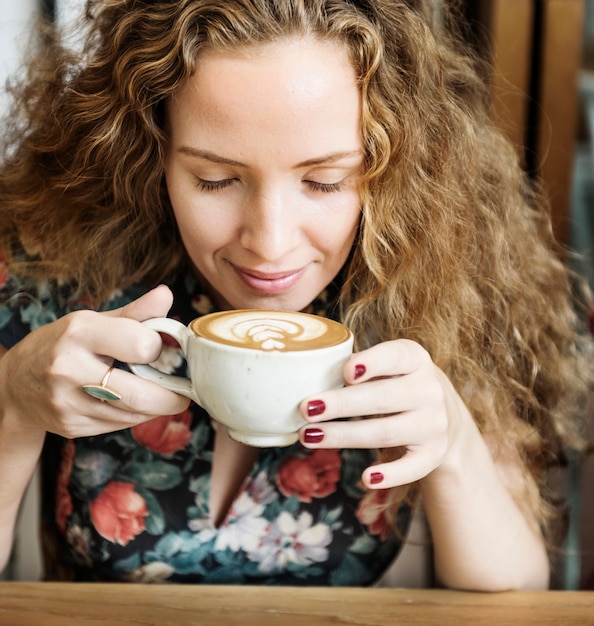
<point x="42" y="376"/>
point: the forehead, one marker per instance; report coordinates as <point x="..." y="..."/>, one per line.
<point x="278" y="87"/>
<point x="300" y="68"/>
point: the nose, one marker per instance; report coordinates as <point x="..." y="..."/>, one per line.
<point x="270" y="224"/>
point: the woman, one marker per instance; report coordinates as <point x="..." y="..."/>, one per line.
<point x="320" y="155"/>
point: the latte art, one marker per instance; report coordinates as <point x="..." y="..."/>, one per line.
<point x="269" y="334"/>
<point x="270" y="330"/>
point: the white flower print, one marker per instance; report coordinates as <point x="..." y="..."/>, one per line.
<point x="261" y="489"/>
<point x="243" y="528"/>
<point x="150" y="573"/>
<point x="202" y="304"/>
<point x="291" y="540"/>
<point x="116" y="293"/>
<point x="169" y="360"/>
<point x="80" y="540"/>
<point x="203" y="527"/>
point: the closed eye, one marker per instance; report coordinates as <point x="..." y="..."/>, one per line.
<point x="214" y="185"/>
<point x="324" y="187"/>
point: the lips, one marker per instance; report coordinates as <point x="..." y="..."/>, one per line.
<point x="268" y="283"/>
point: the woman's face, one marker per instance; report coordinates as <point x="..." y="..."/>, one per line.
<point x="262" y="166"/>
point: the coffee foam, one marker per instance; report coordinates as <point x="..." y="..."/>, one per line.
<point x="282" y="331"/>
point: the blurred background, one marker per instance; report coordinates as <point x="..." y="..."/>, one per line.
<point x="543" y="94"/>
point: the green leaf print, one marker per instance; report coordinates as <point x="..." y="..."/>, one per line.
<point x="157" y="475"/>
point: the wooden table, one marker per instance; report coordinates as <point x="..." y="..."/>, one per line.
<point x="70" y="604"/>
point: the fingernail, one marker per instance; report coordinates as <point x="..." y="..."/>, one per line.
<point x="315" y="407"/>
<point x="359" y="371"/>
<point x="376" y="478"/>
<point x="313" y="435"/>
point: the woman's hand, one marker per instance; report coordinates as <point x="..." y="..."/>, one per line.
<point x="484" y="536"/>
<point x="401" y="396"/>
<point x="42" y="376"/>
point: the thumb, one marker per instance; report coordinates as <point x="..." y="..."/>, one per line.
<point x="154" y="303"/>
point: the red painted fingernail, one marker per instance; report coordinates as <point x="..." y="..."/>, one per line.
<point x="376" y="478"/>
<point x="315" y="407"/>
<point x="359" y="371"/>
<point x="313" y="435"/>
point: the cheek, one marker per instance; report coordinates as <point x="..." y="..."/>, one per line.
<point x="195" y="233"/>
<point x="344" y="242"/>
<point x="201" y="237"/>
<point x="188" y="214"/>
<point x="176" y="196"/>
<point x="341" y="228"/>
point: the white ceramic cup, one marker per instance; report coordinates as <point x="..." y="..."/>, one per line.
<point x="250" y="369"/>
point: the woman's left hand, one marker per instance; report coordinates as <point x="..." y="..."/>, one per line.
<point x="403" y="400"/>
<point x="405" y="406"/>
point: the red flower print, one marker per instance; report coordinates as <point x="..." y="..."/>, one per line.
<point x="85" y="302"/>
<point x="3" y="269"/>
<point x="63" y="500"/>
<point x="375" y="511"/>
<point x="166" y="434"/>
<point x="118" y="513"/>
<point x="313" y="476"/>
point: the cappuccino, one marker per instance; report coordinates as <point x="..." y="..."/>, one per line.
<point x="270" y="330"/>
<point x="250" y="369"/>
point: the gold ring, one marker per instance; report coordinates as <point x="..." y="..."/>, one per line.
<point x="102" y="391"/>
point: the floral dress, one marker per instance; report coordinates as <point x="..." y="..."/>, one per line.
<point x="134" y="505"/>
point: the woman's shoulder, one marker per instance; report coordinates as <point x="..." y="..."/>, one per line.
<point x="27" y="303"/>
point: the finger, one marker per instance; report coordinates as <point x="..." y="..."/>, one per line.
<point x="412" y="428"/>
<point x="410" y="468"/>
<point x="154" y="303"/>
<point x="120" y="338"/>
<point x="141" y="345"/>
<point x="417" y="451"/>
<point x="100" y="420"/>
<point x="138" y="396"/>
<point x="385" y="396"/>
<point x="390" y="358"/>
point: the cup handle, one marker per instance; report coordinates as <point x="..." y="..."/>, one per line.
<point x="178" y="384"/>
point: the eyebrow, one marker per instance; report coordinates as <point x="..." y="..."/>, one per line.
<point x="216" y="158"/>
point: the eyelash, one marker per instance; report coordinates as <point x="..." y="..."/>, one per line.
<point x="324" y="187"/>
<point x="219" y="185"/>
<point x="213" y="185"/>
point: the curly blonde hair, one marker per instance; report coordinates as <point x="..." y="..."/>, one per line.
<point x="455" y="248"/>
